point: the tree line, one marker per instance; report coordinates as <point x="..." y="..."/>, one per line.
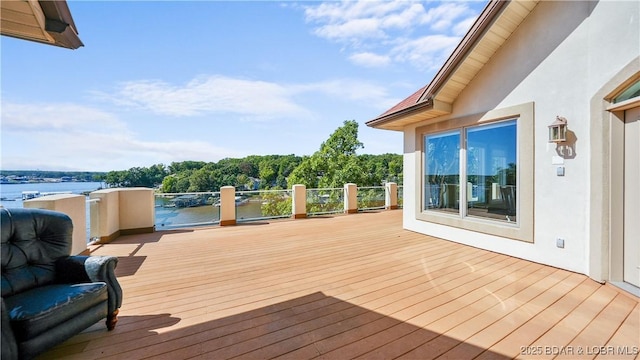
<point x="333" y="165"/>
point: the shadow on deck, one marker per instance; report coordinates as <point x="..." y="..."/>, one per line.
<point x="356" y="286"/>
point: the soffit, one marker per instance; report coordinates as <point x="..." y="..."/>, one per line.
<point x="48" y="22"/>
<point x="495" y="36"/>
<point x="426" y="110"/>
<point x="24" y="20"/>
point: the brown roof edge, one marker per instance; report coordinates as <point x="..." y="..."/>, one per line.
<point x="423" y="105"/>
<point x="59" y="23"/>
<point x="479" y="27"/>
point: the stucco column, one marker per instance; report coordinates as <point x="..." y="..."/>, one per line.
<point x="136" y="210"/>
<point x="124" y="211"/>
<point x="350" y="198"/>
<point x="299" y="203"/>
<point x="390" y="196"/>
<point x="75" y="207"/>
<point x="227" y="205"/>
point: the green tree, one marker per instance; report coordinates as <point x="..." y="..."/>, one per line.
<point x="307" y="173"/>
<point x="268" y="173"/>
<point x="155" y="174"/>
<point x="200" y="181"/>
<point x="177" y="167"/>
<point x="276" y="204"/>
<point x="335" y="163"/>
<point x="170" y="184"/>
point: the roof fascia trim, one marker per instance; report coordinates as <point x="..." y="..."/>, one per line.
<point x="59" y="24"/>
<point x="424" y="105"/>
<point x="478" y="29"/>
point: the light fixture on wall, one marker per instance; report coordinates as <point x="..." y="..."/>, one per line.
<point x="558" y="130"/>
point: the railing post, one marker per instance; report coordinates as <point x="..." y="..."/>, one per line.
<point x="299" y="203"/>
<point x="75" y="207"/>
<point x="227" y="205"/>
<point x="390" y="196"/>
<point x="350" y="198"/>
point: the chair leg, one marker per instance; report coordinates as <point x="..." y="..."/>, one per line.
<point x="112" y="319"/>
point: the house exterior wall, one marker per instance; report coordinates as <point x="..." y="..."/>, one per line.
<point x="559" y="58"/>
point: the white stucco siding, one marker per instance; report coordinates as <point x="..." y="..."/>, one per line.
<point x="558" y="58"/>
<point x="613" y="40"/>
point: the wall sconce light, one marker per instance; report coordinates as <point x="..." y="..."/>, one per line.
<point x="558" y="130"/>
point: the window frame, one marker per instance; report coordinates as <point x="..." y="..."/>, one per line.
<point x="522" y="229"/>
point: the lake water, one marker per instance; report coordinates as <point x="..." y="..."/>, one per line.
<point x="171" y="217"/>
<point x="165" y="217"/>
<point x="11" y="194"/>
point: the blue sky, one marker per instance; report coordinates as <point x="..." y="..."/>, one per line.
<point x="158" y="82"/>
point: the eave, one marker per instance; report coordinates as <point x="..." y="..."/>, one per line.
<point x="491" y="30"/>
<point x="48" y="22"/>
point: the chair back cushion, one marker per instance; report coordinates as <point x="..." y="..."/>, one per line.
<point x="32" y="241"/>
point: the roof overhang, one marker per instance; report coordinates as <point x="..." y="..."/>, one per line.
<point x="496" y="23"/>
<point x="47" y="22"/>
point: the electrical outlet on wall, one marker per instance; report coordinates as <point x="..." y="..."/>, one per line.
<point x="560" y="243"/>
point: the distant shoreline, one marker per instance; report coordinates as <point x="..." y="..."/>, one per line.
<point x="40" y="181"/>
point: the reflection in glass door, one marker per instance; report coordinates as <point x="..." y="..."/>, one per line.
<point x="492" y="171"/>
<point x="442" y="172"/>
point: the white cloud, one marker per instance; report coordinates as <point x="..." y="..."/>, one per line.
<point x="444" y="16"/>
<point x="63" y="117"/>
<point x="76" y="137"/>
<point x="368" y="59"/>
<point x="248" y="100"/>
<point x="348" y="90"/>
<point x="353" y="29"/>
<point x="69" y="136"/>
<point x="381" y="32"/>
<point x="212" y="94"/>
<point x="425" y="53"/>
<point x="405" y="19"/>
<point x="463" y="26"/>
<point x="348" y="15"/>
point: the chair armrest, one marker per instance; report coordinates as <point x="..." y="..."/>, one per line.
<point x="9" y="345"/>
<point x="78" y="269"/>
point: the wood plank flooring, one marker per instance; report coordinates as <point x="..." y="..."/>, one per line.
<point x="347" y="287"/>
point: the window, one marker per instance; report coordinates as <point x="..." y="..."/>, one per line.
<point x="491" y="171"/>
<point x="489" y="175"/>
<point x="477" y="172"/>
<point x="629" y="93"/>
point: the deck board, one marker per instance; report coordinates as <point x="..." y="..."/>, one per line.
<point x="343" y="287"/>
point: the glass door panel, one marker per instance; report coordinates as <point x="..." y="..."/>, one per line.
<point x="442" y="172"/>
<point x="491" y="171"/>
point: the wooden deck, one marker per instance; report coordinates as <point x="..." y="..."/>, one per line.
<point x="350" y="286"/>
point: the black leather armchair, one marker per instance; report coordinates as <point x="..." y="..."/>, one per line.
<point x="47" y="295"/>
